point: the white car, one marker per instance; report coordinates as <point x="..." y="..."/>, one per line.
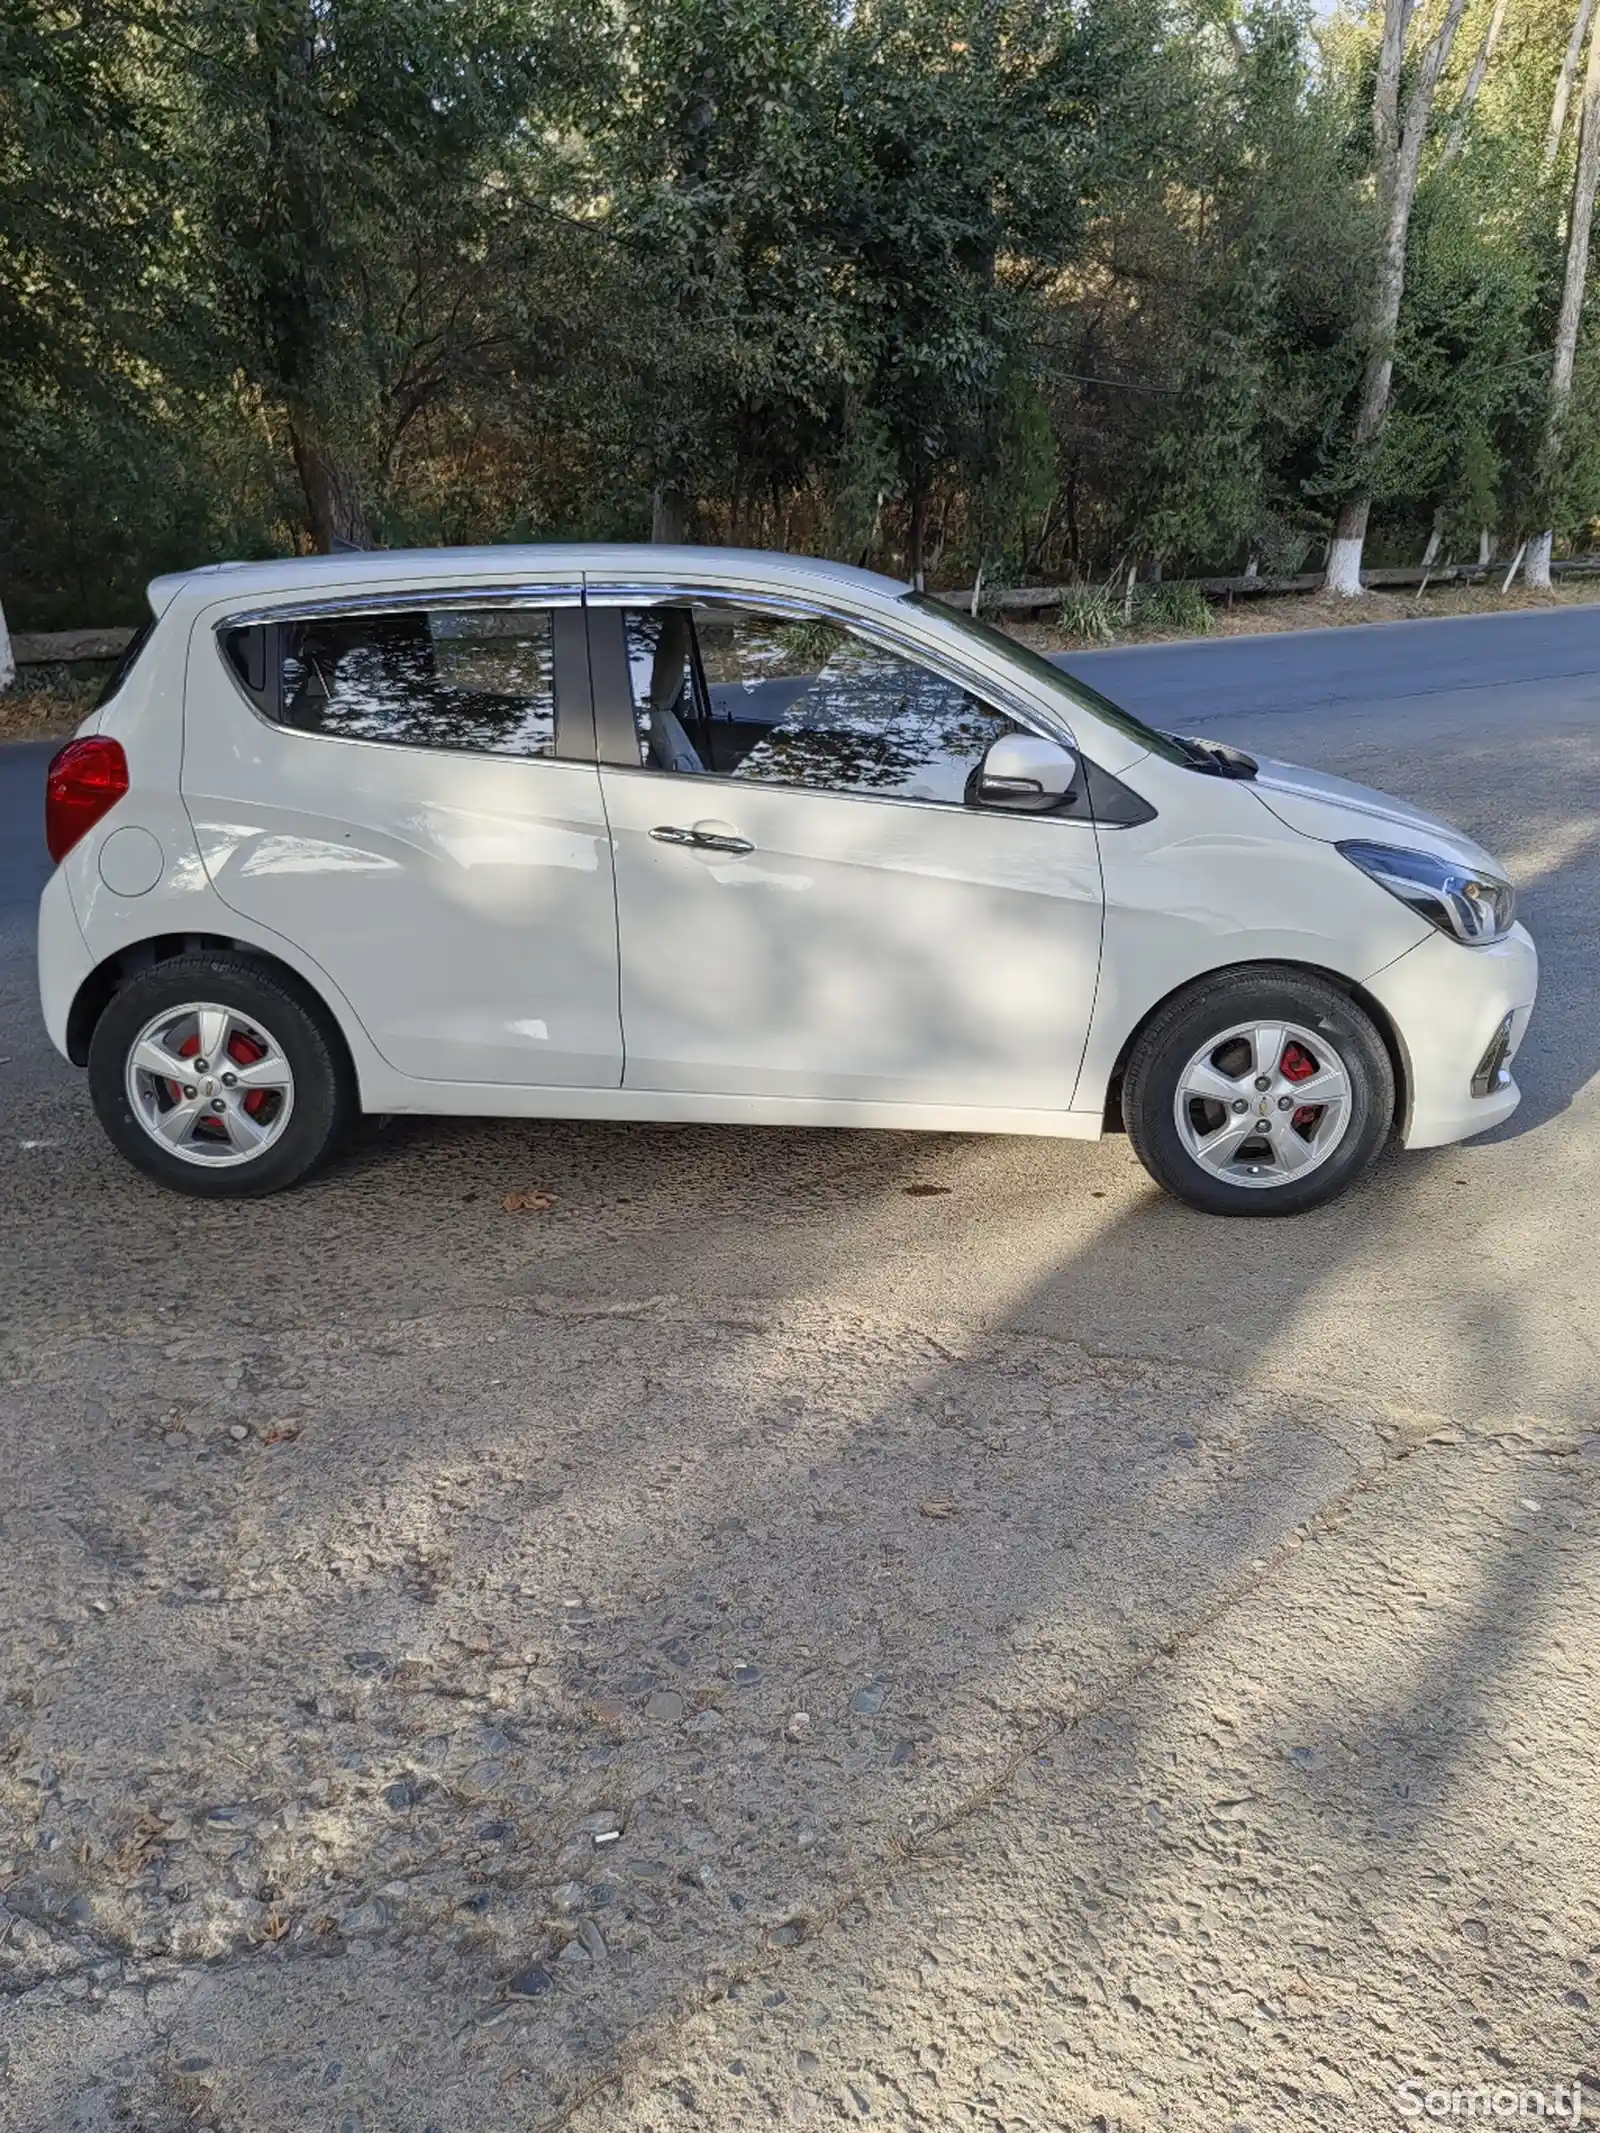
<point x="692" y="834"/>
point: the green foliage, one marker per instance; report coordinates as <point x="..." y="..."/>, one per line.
<point x="1026" y="288"/>
<point x="1091" y="612"/>
<point x="1176" y="605"/>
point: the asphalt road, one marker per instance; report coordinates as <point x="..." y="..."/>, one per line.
<point x="1191" y="1622"/>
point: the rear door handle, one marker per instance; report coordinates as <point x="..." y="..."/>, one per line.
<point x="704" y="836"/>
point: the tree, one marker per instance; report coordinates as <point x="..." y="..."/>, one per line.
<point x="1580" y="222"/>
<point x="1399" y="133"/>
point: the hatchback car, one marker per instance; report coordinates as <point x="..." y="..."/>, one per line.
<point x="693" y="834"/>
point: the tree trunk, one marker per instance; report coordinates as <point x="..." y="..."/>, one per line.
<point x="1457" y="138"/>
<point x="334" y="507"/>
<point x="1579" y="224"/>
<point x="669" y="513"/>
<point x="1430" y="554"/>
<point x="1398" y="142"/>
<point x="1564" y="81"/>
<point x="1485" y="547"/>
<point x="8" y="664"/>
<point x="917" y="538"/>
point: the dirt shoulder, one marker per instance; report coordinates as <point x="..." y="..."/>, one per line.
<point x="1267" y="615"/>
<point x="46" y="705"/>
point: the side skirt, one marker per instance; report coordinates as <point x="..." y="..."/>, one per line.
<point x="460" y="1099"/>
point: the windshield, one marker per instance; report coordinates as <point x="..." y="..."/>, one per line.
<point x="1067" y="686"/>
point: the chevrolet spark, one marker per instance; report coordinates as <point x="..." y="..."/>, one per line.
<point x="690" y="834"/>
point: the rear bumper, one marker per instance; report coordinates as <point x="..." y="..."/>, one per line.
<point x="64" y="959"/>
<point x="1446" y="1003"/>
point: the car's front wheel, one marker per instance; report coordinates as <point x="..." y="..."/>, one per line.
<point x="1259" y="1092"/>
<point x="216" y="1077"/>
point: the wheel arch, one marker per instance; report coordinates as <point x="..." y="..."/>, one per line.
<point x="1383" y="1022"/>
<point x="94" y="995"/>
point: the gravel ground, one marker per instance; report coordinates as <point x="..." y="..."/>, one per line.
<point x="782" y="1629"/>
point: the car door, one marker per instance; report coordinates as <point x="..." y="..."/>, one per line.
<point x="806" y="906"/>
<point x="406" y="789"/>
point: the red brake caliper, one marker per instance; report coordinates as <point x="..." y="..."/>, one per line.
<point x="1297" y="1064"/>
<point x="244" y="1051"/>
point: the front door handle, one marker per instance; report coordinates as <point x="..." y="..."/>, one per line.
<point x="704" y="837"/>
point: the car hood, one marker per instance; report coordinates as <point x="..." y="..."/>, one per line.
<point x="1334" y="809"/>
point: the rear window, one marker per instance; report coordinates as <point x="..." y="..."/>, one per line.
<point x="125" y="665"/>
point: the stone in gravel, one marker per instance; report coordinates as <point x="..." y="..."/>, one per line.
<point x="904" y="1750"/>
<point x="1476" y="1931"/>
<point x="573" y="1952"/>
<point x="1303" y="1758"/>
<point x="175" y="1439"/>
<point x="367" y="1918"/>
<point x="225" y="1817"/>
<point x="786" y="1936"/>
<point x="194" y="2063"/>
<point x="704" y="1722"/>
<point x="567" y="1895"/>
<point x="607" y="1706"/>
<point x="868" y="1702"/>
<point x="238" y="1432"/>
<point x="798" y="1726"/>
<point x="593" y="1940"/>
<point x="638" y="1684"/>
<point x="807" y="2063"/>
<point x="665" y="1703"/>
<point x="402" y="1793"/>
<point x="604" y="1825"/>
<point x="746" y="1677"/>
<point x="528" y="1984"/>
<point x="367" y="1662"/>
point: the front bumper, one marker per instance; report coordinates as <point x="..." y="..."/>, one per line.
<point x="1446" y="1001"/>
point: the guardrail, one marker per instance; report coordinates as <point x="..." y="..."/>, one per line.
<point x="49" y="648"/>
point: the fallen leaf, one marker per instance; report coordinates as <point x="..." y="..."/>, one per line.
<point x="283" y="1431"/>
<point x="938" y="1510"/>
<point x="528" y="1201"/>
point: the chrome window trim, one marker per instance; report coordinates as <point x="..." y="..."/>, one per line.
<point x="562" y="593"/>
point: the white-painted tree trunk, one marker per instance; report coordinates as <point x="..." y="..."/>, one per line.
<point x="1485" y="547"/>
<point x="8" y="664"/>
<point x="1564" y="81"/>
<point x="1430" y="554"/>
<point x="1574" y="286"/>
<point x="1536" y="562"/>
<point x="1398" y="139"/>
<point x="1343" y="575"/>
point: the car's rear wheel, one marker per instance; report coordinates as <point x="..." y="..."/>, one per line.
<point x="216" y="1077"/>
<point x="1259" y="1092"/>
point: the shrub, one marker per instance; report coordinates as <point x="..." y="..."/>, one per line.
<point x="1090" y="612"/>
<point x="1179" y="605"/>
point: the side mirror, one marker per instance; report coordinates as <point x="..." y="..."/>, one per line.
<point x="1025" y="773"/>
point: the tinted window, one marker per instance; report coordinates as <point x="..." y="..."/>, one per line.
<point x="807" y="703"/>
<point x="481" y="679"/>
<point x="1072" y="692"/>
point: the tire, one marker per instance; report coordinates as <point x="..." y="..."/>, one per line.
<point x="218" y="1138"/>
<point x="1195" y="1084"/>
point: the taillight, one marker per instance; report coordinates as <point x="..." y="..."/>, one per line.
<point x="85" y="780"/>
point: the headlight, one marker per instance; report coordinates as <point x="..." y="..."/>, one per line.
<point x="1470" y="907"/>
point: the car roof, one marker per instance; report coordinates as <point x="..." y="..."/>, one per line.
<point x="314" y="575"/>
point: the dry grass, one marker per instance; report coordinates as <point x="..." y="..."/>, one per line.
<point x="46" y="703"/>
<point x="1262" y="615"/>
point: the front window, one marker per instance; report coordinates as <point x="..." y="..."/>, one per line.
<point x="776" y="699"/>
<point x="1070" y="692"/>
